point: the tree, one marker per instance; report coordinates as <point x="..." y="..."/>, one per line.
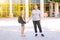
<point x="55" y="0"/>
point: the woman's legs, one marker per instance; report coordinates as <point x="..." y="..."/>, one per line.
<point x="35" y="26"/>
<point x="39" y="26"/>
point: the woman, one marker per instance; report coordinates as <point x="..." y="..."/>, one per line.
<point x="36" y="17"/>
<point x="22" y="24"/>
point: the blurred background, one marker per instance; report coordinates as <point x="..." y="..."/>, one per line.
<point x="13" y="7"/>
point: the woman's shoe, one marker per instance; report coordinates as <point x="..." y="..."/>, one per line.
<point x="36" y="34"/>
<point x="42" y="35"/>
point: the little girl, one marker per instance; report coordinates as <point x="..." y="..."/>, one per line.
<point x="22" y="24"/>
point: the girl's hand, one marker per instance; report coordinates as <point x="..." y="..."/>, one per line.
<point x="27" y="21"/>
<point x="24" y="20"/>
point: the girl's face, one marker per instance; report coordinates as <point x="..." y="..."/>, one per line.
<point x="35" y="7"/>
<point x="22" y="12"/>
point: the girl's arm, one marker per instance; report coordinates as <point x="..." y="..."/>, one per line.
<point x="23" y="18"/>
<point x="30" y="18"/>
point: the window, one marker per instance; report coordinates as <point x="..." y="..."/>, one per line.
<point x="16" y="2"/>
<point x="38" y="1"/>
<point x="22" y="1"/>
<point x="35" y="1"/>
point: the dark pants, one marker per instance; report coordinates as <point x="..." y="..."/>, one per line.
<point x="37" y="24"/>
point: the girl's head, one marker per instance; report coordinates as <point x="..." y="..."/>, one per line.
<point x="22" y="12"/>
<point x="35" y="6"/>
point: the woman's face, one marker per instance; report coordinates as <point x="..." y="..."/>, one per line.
<point x="35" y="7"/>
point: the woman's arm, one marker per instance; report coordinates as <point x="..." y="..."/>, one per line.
<point x="40" y="17"/>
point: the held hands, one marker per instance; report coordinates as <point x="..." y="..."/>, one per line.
<point x="27" y="21"/>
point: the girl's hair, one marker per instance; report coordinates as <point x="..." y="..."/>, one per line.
<point x="22" y="11"/>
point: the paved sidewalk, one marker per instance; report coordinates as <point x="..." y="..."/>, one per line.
<point x="10" y="30"/>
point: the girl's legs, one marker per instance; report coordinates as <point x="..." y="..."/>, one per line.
<point x="22" y="30"/>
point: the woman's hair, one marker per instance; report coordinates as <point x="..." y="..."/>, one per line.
<point x="34" y="6"/>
